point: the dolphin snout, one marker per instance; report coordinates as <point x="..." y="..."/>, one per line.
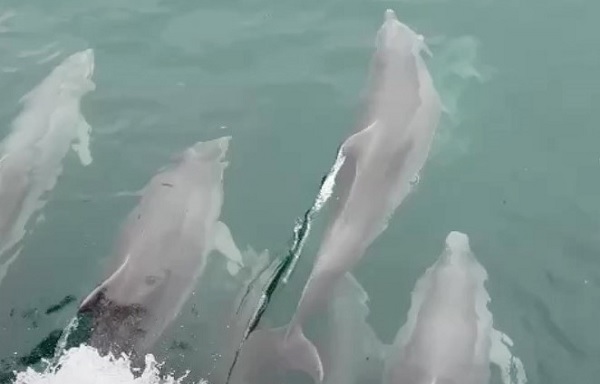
<point x="389" y="15"/>
<point x="87" y="55"/>
<point x="457" y="242"/>
<point x="394" y="37"/>
<point x="214" y="149"/>
<point x="80" y="64"/>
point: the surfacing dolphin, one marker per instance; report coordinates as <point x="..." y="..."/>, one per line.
<point x="447" y="335"/>
<point x="162" y="250"/>
<point x="31" y="155"/>
<point x="381" y="161"/>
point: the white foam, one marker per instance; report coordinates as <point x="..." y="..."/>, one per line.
<point x="83" y="365"/>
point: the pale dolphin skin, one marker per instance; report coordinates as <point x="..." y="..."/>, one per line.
<point x="31" y="155"/>
<point x="447" y="335"/>
<point x="354" y="352"/>
<point x="162" y="250"/>
<point x="380" y="163"/>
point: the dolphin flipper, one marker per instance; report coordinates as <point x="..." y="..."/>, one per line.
<point x="82" y="147"/>
<point x="302" y="355"/>
<point x="226" y="246"/>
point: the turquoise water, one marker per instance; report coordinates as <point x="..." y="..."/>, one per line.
<point x="515" y="162"/>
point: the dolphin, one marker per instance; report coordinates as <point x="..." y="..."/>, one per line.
<point x="380" y="162"/>
<point x="447" y="337"/>
<point x="162" y="249"/>
<point x="31" y="155"/>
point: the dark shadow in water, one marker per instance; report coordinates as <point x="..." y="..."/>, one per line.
<point x="61" y="304"/>
<point x="46" y="348"/>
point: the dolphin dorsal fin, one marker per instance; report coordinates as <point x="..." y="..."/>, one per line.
<point x="359" y="141"/>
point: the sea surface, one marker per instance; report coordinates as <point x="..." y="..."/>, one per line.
<point x="515" y="163"/>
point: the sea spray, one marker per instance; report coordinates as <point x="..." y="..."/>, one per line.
<point x="83" y="365"/>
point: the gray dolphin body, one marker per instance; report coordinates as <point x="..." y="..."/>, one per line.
<point x="162" y="250"/>
<point x="380" y="163"/>
<point x="31" y="155"/>
<point x="447" y="336"/>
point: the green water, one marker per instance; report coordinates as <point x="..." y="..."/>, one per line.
<point x="515" y="163"/>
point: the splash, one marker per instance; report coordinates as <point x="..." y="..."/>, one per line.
<point x="324" y="194"/>
<point x="83" y="365"/>
<point x="62" y="342"/>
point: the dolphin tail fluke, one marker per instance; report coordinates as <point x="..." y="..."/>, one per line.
<point x="287" y="350"/>
<point x="301" y="354"/>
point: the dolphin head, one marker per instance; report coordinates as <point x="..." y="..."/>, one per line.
<point x="212" y="151"/>
<point x="457" y="241"/>
<point x="457" y="249"/>
<point x="396" y="38"/>
<point x="80" y="64"/>
<point x="201" y="167"/>
<point x="397" y="72"/>
<point x="74" y="74"/>
<point x="70" y="79"/>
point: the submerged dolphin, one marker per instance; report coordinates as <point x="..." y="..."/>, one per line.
<point x="381" y="161"/>
<point x="447" y="335"/>
<point x="162" y="250"/>
<point x="31" y="155"/>
<point x="354" y="353"/>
